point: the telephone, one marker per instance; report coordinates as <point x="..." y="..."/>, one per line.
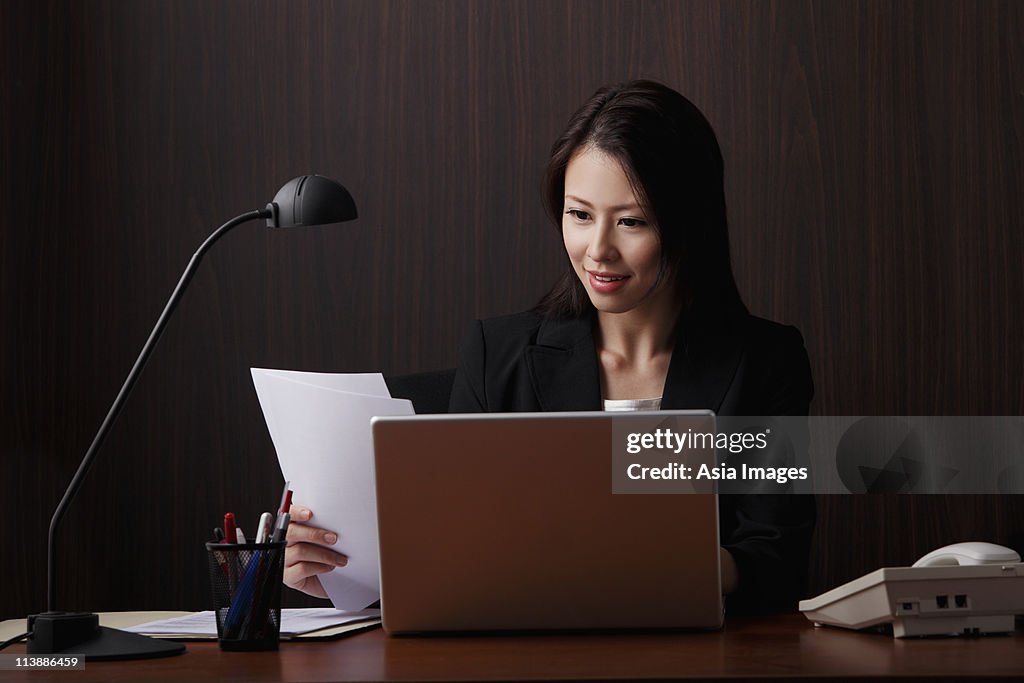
<point x="964" y="588"/>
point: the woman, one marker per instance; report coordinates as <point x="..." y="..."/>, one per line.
<point x="647" y="316"/>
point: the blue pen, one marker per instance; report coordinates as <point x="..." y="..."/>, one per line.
<point x="240" y="603"/>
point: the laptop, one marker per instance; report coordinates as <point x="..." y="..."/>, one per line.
<point x="507" y="521"/>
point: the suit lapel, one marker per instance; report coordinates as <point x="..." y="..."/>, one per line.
<point x="565" y="375"/>
<point x="704" y="364"/>
<point x="563" y="366"/>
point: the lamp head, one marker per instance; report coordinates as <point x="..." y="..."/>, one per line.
<point x="310" y="200"/>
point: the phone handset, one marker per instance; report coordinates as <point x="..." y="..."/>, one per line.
<point x="968" y="553"/>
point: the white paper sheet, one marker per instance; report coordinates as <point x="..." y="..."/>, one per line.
<point x="325" y="449"/>
<point x="293" y="622"/>
<point x="367" y="383"/>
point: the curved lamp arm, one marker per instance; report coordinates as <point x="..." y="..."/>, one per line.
<point x="115" y="409"/>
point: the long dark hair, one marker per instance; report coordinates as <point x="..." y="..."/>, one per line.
<point x="671" y="156"/>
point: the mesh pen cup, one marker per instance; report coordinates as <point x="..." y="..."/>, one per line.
<point x="246" y="582"/>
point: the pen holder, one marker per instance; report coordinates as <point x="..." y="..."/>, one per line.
<point x="246" y="582"/>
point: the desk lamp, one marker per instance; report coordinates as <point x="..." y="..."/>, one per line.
<point x="306" y="200"/>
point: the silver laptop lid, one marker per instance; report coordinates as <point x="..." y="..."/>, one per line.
<point x="508" y="522"/>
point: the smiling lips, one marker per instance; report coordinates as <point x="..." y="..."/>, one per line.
<point x="606" y="283"/>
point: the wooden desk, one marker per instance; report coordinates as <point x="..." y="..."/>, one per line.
<point x="778" y="648"/>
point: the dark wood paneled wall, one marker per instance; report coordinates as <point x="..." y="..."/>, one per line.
<point x="874" y="165"/>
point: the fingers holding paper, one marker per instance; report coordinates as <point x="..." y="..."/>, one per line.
<point x="304" y="557"/>
<point x="300" y="530"/>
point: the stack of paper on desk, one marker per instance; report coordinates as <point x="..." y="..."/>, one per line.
<point x="311" y="622"/>
<point x="320" y="424"/>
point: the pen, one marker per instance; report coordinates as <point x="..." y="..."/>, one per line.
<point x="263" y="531"/>
<point x="255" y="623"/>
<point x="249" y="599"/>
<point x="282" y="528"/>
<point x="231" y="536"/>
<point x="284" y="498"/>
<point x="283" y="519"/>
<point x="241" y="597"/>
<point x="218" y="537"/>
<point x="230" y="532"/>
<point x="239" y="536"/>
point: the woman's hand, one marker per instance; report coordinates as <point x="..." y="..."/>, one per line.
<point x="304" y="560"/>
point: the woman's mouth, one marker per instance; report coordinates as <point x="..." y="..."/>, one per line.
<point x="606" y="283"/>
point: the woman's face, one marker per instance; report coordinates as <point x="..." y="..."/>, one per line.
<point x="613" y="247"/>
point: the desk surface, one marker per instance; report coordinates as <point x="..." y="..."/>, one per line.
<point x="770" y="648"/>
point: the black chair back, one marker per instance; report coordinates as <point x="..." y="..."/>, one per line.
<point x="428" y="391"/>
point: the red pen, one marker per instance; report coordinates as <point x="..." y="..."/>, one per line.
<point x="284" y="497"/>
<point x="230" y="532"/>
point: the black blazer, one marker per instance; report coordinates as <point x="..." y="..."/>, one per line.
<point x="751" y="366"/>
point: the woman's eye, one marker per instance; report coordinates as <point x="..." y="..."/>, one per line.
<point x="632" y="222"/>
<point x="578" y="214"/>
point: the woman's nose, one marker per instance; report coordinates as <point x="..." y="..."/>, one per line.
<point x="602" y="246"/>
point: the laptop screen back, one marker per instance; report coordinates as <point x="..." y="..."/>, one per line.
<point x="508" y="522"/>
